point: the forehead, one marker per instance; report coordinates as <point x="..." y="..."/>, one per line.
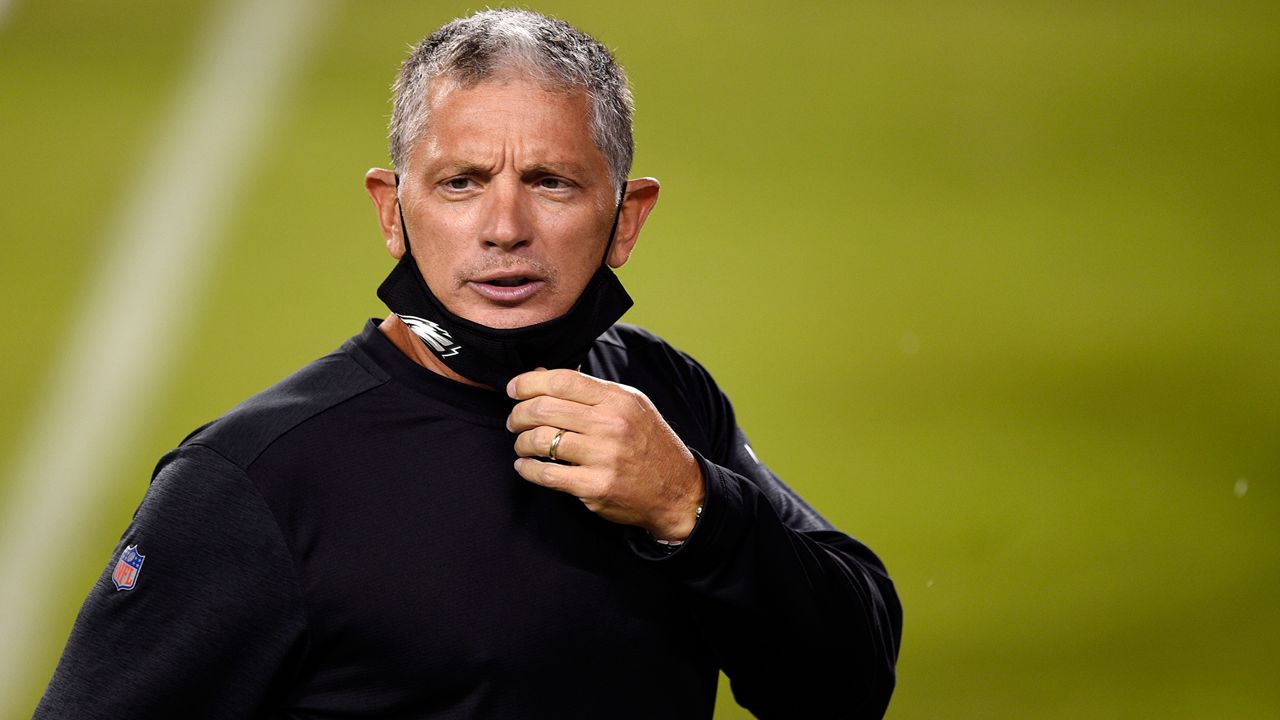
<point x="544" y="124"/>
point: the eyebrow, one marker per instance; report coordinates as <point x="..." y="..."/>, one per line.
<point x="463" y="167"/>
<point x="560" y="168"/>
<point x="466" y="167"/>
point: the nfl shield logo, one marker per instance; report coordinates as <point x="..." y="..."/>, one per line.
<point x="126" y="574"/>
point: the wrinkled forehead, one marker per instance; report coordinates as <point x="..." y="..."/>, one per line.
<point x="506" y="74"/>
<point x="550" y="125"/>
<point x="448" y="98"/>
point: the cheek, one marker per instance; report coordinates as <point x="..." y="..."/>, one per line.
<point x="437" y="275"/>
<point x="436" y="252"/>
<point x="579" y="247"/>
<point x="576" y="271"/>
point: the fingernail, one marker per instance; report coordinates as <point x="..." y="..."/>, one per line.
<point x="511" y="388"/>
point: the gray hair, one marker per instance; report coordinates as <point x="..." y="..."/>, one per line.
<point x="480" y="47"/>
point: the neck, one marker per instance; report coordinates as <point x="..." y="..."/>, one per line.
<point x="403" y="338"/>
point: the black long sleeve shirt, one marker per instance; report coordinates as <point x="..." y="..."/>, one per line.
<point x="354" y="542"/>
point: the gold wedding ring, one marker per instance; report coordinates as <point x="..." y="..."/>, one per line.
<point x="555" y="444"/>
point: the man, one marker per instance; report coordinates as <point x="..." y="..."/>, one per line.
<point x="496" y="503"/>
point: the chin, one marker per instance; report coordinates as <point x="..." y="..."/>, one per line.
<point x="511" y="318"/>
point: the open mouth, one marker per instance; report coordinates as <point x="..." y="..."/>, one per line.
<point x="507" y="290"/>
<point x="509" y="282"/>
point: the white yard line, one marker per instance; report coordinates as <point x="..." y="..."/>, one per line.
<point x="119" y="342"/>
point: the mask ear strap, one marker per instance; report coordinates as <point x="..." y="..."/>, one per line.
<point x="613" y="231"/>
<point x="404" y="231"/>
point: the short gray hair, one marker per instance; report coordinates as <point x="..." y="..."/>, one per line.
<point x="479" y="47"/>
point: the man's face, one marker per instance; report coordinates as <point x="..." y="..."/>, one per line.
<point x="507" y="200"/>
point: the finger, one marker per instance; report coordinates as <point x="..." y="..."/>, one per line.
<point x="536" y="443"/>
<point x="550" y="411"/>
<point x="565" y="384"/>
<point x="569" y="479"/>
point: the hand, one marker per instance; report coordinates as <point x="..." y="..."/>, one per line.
<point x="626" y="463"/>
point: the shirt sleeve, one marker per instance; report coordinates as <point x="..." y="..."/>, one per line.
<point x="198" y="614"/>
<point x="803" y="619"/>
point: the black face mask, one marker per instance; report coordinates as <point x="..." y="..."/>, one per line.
<point x="492" y="356"/>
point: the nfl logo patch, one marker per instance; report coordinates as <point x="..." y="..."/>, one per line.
<point x="126" y="573"/>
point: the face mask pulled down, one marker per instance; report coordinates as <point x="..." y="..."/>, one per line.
<point x="492" y="356"/>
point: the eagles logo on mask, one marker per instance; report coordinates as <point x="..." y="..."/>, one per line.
<point x="492" y="356"/>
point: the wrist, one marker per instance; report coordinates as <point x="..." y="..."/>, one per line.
<point x="676" y="523"/>
<point x="677" y="537"/>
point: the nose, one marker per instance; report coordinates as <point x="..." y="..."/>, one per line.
<point x="507" y="223"/>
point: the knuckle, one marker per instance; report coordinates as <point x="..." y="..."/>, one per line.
<point x="617" y="425"/>
<point x="641" y="401"/>
<point x="594" y="489"/>
<point x="553" y="474"/>
<point x="560" y="382"/>
<point x="532" y="442"/>
<point x="603" y="485"/>
<point x="537" y="408"/>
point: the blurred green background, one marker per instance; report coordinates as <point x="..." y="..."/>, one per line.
<point x="996" y="286"/>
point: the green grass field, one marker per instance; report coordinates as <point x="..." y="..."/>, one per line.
<point x="996" y="286"/>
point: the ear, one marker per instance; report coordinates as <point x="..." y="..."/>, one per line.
<point x="641" y="196"/>
<point x="381" y="186"/>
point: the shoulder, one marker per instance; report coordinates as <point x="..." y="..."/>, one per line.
<point x="626" y="346"/>
<point x="628" y="335"/>
<point x="248" y="429"/>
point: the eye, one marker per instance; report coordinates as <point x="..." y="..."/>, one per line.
<point x="458" y="183"/>
<point x="553" y="183"/>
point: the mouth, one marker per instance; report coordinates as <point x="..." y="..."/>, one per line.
<point x="507" y="288"/>
<point x="509" y="281"/>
